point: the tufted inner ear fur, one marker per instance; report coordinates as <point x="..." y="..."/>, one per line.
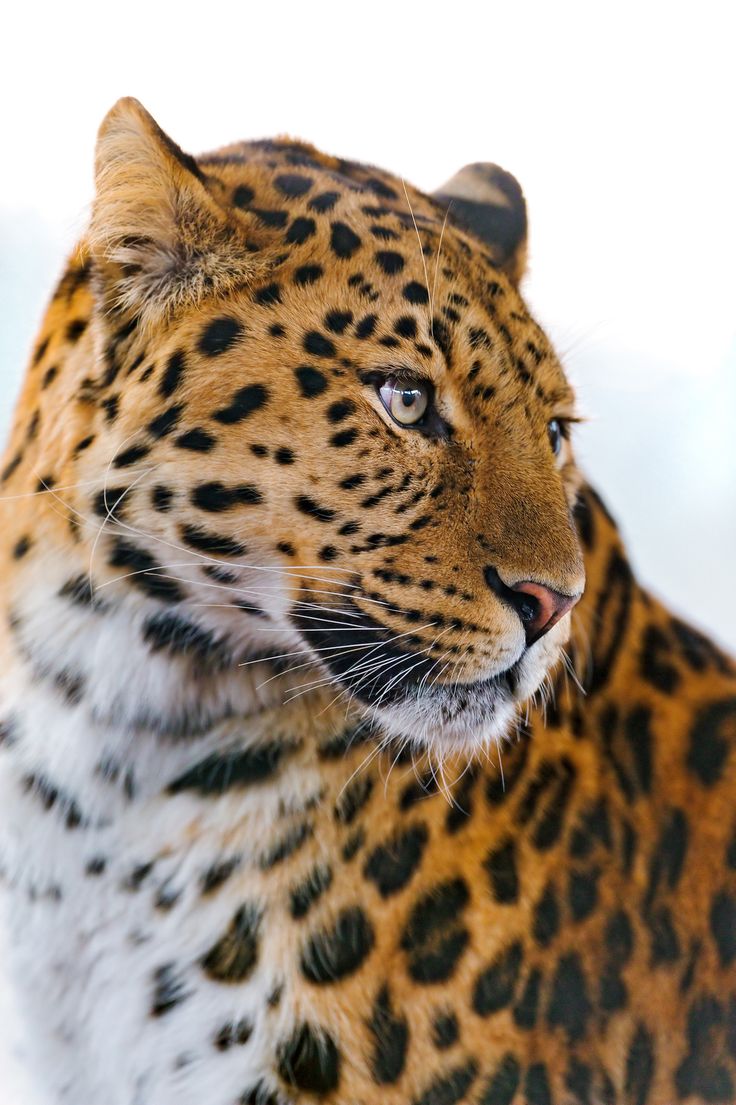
<point x="489" y="202"/>
<point x="158" y="237"/>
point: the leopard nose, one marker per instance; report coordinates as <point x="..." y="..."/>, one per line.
<point x="539" y="607"/>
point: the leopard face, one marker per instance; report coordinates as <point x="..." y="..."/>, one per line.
<point x="319" y="395"/>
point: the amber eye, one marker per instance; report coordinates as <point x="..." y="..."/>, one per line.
<point x="556" y="434"/>
<point x="406" y="401"/>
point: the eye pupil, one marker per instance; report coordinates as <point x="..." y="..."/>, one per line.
<point x="406" y="403"/>
<point x="554" y="430"/>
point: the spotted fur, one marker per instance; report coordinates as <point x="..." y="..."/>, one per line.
<point x="284" y="816"/>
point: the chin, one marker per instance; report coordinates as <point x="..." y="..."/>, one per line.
<point x="468" y="719"/>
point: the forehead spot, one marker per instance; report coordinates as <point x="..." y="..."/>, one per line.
<point x="414" y="292"/>
<point x="324" y="202"/>
<point x="343" y="240"/>
<point x="300" y="230"/>
<point x="293" y="185"/>
<point x="219" y="335"/>
<point x="390" y="261"/>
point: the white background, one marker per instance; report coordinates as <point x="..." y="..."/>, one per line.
<point x="618" y="121"/>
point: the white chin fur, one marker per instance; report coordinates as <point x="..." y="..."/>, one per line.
<point x="435" y="722"/>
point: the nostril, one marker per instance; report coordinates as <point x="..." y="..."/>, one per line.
<point x="538" y="607"/>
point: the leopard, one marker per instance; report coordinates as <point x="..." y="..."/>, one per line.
<point x="343" y="757"/>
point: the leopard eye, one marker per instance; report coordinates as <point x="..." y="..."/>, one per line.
<point x="406" y="401"/>
<point x="556" y="433"/>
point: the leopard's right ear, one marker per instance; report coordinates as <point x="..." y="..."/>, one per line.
<point x="158" y="237"/>
<point x="489" y="202"/>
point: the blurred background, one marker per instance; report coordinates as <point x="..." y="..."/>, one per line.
<point x="617" y="120"/>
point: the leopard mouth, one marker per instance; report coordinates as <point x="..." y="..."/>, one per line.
<point x="373" y="665"/>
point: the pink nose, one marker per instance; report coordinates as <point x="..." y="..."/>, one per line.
<point x="539" y="607"/>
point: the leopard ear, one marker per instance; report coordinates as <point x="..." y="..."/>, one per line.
<point x="489" y="202"/>
<point x="158" y="237"/>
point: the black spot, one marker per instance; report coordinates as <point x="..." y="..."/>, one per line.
<point x="130" y="456"/>
<point x="311" y="381"/>
<point x="366" y="326"/>
<point x="343" y="438"/>
<point x="214" y="544"/>
<point x="545" y="923"/>
<point x="172" y="374"/>
<point x="274" y="219"/>
<point x="700" y="1074"/>
<point x="711" y="735"/>
<point x="339" y="951"/>
<point x="525" y="1010"/>
<point x="307" y="274"/>
<point x="243" y="196"/>
<point x="165" y="422"/>
<point x="665" y="944"/>
<point x="569" y="1004"/>
<point x="21" y="547"/>
<point x="314" y="510"/>
<point x="582" y="892"/>
<point x="306" y="893"/>
<point x="390" y="261"/>
<point x="309" y="1061"/>
<point x="170" y="633"/>
<point x="49" y="376"/>
<point x="501" y="867"/>
<point x="267" y="296"/>
<point x="391" y="865"/>
<point x="318" y="345"/>
<point x="406" y="327"/>
<point x="169" y="990"/>
<point x="218" y="873"/>
<point x="283" y="455"/>
<point x="300" y="231"/>
<point x="352" y="799"/>
<point x="434" y="937"/>
<point x="338" y="321"/>
<point x="219" y="335"/>
<point x="415" y="292"/>
<point x="579" y="1081"/>
<point x="501" y="785"/>
<point x="293" y="184"/>
<point x="390" y="1038"/>
<point x="639" y="1067"/>
<point x="536" y="1086"/>
<point x="448" y="1089"/>
<point x="324" y="202"/>
<point x="655" y="661"/>
<point x="340" y="410"/>
<point x="723" y="926"/>
<point x="495" y="986"/>
<point x="198" y="440"/>
<point x="343" y="240"/>
<point x="243" y="403"/>
<point x="142" y="572"/>
<point x="445" y="1031"/>
<point x="75" y="329"/>
<point x="233" y="1034"/>
<point x="503" y="1083"/>
<point x="223" y="771"/>
<point x="289" y="844"/>
<point x="216" y="496"/>
<point x="233" y="957"/>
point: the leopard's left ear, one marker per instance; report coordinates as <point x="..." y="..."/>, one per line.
<point x="159" y="238"/>
<point x="489" y="202"/>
